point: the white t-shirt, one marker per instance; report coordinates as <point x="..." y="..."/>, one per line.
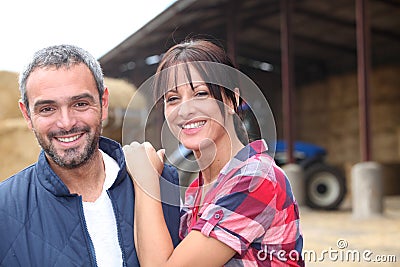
<point x="101" y="223"/>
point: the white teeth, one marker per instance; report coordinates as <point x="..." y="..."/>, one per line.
<point x="193" y="125"/>
<point x="68" y="139"/>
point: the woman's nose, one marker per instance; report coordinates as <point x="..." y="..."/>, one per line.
<point x="186" y="108"/>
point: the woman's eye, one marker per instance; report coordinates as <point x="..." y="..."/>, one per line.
<point x="171" y="99"/>
<point x="202" y="93"/>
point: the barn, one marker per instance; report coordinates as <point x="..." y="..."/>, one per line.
<point x="329" y="69"/>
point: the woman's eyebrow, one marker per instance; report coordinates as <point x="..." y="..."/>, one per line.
<point x="174" y="90"/>
<point x="195" y="85"/>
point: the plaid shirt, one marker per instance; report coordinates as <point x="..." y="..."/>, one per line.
<point x="250" y="208"/>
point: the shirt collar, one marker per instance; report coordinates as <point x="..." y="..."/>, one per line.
<point x="255" y="147"/>
<point x="111" y="169"/>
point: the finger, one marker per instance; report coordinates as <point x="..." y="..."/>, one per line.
<point x="126" y="149"/>
<point x="161" y="154"/>
<point x="134" y="143"/>
<point x="148" y="146"/>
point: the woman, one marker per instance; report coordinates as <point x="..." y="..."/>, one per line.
<point x="240" y="211"/>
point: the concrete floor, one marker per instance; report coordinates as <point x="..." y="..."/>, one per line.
<point x="377" y="238"/>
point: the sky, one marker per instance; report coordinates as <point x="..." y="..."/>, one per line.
<point x="95" y="25"/>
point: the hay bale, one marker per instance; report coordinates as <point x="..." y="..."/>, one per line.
<point x="19" y="147"/>
<point x="338" y="129"/>
<point x="384" y="84"/>
<point x="121" y="93"/>
<point x="398" y="141"/>
<point x="9" y="95"/>
<point x="312" y="98"/>
<point x="342" y="91"/>
<point x="120" y="90"/>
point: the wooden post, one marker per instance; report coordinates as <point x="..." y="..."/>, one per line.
<point x="287" y="76"/>
<point x="363" y="74"/>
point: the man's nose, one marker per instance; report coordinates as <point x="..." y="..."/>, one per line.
<point x="66" y="119"/>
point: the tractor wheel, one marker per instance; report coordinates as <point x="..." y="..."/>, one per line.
<point x="325" y="186"/>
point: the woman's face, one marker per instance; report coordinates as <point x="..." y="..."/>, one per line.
<point x="194" y="116"/>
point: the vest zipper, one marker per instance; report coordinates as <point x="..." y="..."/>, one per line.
<point x="91" y="250"/>
<point x="118" y="229"/>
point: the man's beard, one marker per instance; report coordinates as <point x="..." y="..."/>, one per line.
<point x="71" y="158"/>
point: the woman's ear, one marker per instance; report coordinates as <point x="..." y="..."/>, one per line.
<point x="231" y="111"/>
<point x="233" y="108"/>
<point x="237" y="96"/>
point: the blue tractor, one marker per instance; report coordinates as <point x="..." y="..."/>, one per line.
<point x="325" y="184"/>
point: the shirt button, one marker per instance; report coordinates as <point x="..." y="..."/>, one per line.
<point x="218" y="215"/>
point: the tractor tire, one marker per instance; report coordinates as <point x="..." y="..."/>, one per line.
<point x="325" y="186"/>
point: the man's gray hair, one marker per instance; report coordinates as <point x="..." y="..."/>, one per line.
<point x="60" y="56"/>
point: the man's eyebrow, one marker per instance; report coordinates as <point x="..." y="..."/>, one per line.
<point x="85" y="95"/>
<point x="74" y="98"/>
<point x="43" y="102"/>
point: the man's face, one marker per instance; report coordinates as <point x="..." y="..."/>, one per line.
<point x="65" y="113"/>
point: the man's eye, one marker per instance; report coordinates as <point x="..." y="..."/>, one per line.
<point x="81" y="104"/>
<point x="46" y="110"/>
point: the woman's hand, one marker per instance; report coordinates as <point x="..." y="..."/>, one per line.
<point x="145" y="166"/>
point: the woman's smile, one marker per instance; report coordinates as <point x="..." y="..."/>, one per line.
<point x="193" y="125"/>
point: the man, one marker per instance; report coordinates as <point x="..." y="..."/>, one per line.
<point x="75" y="205"/>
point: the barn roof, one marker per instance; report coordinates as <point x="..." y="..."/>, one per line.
<point x="324" y="36"/>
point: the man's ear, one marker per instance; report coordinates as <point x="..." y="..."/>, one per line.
<point x="25" y="112"/>
<point x="105" y="102"/>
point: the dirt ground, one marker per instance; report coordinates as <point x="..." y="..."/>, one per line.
<point x="336" y="238"/>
